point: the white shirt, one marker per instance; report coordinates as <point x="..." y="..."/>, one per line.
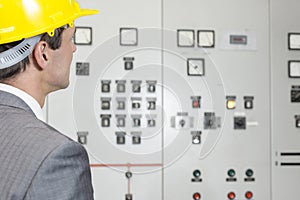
<point x="29" y="100"/>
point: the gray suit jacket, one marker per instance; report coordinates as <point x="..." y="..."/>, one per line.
<point x="36" y="161"/>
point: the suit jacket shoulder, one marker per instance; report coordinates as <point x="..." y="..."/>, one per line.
<point x="34" y="155"/>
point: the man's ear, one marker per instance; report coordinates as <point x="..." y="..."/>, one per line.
<point x="41" y="54"/>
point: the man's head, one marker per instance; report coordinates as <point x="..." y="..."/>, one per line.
<point x="38" y="34"/>
<point x="10" y="72"/>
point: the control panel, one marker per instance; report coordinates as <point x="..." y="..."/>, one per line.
<point x="186" y="100"/>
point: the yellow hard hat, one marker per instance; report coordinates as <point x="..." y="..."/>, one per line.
<point x="21" y="19"/>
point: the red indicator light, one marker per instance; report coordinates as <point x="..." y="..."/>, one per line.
<point x="196" y="104"/>
<point x="249" y="195"/>
<point x="197" y="196"/>
<point x="231" y="195"/>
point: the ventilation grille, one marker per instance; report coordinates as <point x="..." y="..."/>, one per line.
<point x="18" y="53"/>
<point x="14" y="55"/>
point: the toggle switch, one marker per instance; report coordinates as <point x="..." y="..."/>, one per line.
<point x="248" y="102"/>
<point x="136" y="120"/>
<point x="121" y="87"/>
<point x="105" y="103"/>
<point x="82" y="137"/>
<point x="105" y="120"/>
<point x="151" y="103"/>
<point x="136" y="137"/>
<point x="121" y="120"/>
<point x="105" y="86"/>
<point x="120" y="137"/>
<point x="121" y="103"/>
<point x="151" y="86"/>
<point x="136" y="103"/>
<point x="151" y="120"/>
<point x="128" y="63"/>
<point x="136" y="86"/>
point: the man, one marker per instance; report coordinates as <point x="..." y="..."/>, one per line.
<point x="36" y="161"/>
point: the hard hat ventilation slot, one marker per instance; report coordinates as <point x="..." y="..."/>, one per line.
<point x="18" y="53"/>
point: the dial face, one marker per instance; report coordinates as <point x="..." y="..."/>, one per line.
<point x="206" y="38"/>
<point x="83" y="36"/>
<point x="196" y="67"/>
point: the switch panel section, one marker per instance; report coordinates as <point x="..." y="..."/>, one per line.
<point x="153" y="100"/>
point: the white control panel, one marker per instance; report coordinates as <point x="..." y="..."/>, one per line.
<point x="186" y="100"/>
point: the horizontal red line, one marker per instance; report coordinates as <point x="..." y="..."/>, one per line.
<point x="126" y="165"/>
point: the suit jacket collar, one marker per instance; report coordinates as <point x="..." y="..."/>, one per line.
<point x="8" y="99"/>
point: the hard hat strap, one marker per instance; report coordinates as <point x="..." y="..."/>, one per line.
<point x="18" y="53"/>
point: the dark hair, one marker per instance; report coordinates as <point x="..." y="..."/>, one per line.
<point x="10" y="72"/>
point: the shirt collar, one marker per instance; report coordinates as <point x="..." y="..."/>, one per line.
<point x="29" y="100"/>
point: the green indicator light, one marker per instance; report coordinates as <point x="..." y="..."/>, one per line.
<point x="249" y="172"/>
<point x="231" y="173"/>
<point x="197" y="173"/>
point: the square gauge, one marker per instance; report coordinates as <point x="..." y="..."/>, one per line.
<point x="206" y="38"/>
<point x="195" y="67"/>
<point x="294" y="68"/>
<point x="128" y="36"/>
<point x="83" y="36"/>
<point x="294" y="41"/>
<point x="185" y="38"/>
